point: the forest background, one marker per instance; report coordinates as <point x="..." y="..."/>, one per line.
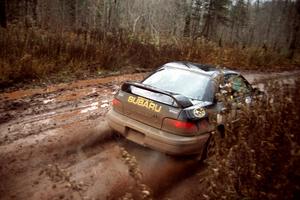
<point x="61" y="40"/>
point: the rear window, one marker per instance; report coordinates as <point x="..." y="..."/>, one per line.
<point x="190" y="84"/>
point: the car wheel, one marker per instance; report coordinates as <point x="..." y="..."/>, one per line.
<point x="211" y="146"/>
<point x="221" y="130"/>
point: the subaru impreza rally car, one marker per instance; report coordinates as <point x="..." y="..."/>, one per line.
<point x="170" y="110"/>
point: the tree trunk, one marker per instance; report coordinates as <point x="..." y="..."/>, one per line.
<point x="187" y="21"/>
<point x="209" y="21"/>
<point x="3" y="22"/>
<point x="295" y="32"/>
<point x="187" y="26"/>
<point x="34" y="9"/>
<point x="72" y="13"/>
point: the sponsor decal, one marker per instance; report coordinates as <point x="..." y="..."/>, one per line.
<point x="140" y="101"/>
<point x="199" y="112"/>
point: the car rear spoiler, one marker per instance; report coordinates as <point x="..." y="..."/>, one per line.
<point x="181" y="100"/>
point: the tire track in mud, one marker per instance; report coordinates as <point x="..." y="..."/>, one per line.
<point x="42" y="115"/>
<point x="58" y="150"/>
<point x="62" y="128"/>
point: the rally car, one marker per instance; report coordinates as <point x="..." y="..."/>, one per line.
<point x="170" y="110"/>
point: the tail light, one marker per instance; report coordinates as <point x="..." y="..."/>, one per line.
<point x="180" y="127"/>
<point x="117" y="104"/>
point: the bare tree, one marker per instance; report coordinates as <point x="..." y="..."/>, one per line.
<point x="295" y="30"/>
<point x="3" y="13"/>
<point x="272" y="24"/>
<point x="216" y="14"/>
<point x="238" y="19"/>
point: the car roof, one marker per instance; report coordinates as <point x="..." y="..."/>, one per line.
<point x="205" y="69"/>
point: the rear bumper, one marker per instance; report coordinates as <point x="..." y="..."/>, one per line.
<point x="155" y="138"/>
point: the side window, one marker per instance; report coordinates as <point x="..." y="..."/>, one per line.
<point x="238" y="84"/>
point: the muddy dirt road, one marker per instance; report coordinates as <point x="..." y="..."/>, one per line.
<point x="55" y="144"/>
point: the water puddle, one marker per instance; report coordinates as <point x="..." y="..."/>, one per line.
<point x="92" y="107"/>
<point x="48" y="101"/>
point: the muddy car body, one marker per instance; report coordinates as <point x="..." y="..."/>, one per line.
<point x="171" y="110"/>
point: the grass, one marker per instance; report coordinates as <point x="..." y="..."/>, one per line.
<point x="28" y="54"/>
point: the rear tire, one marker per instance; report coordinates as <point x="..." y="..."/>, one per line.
<point x="209" y="148"/>
<point x="221" y="130"/>
<point x="211" y="145"/>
